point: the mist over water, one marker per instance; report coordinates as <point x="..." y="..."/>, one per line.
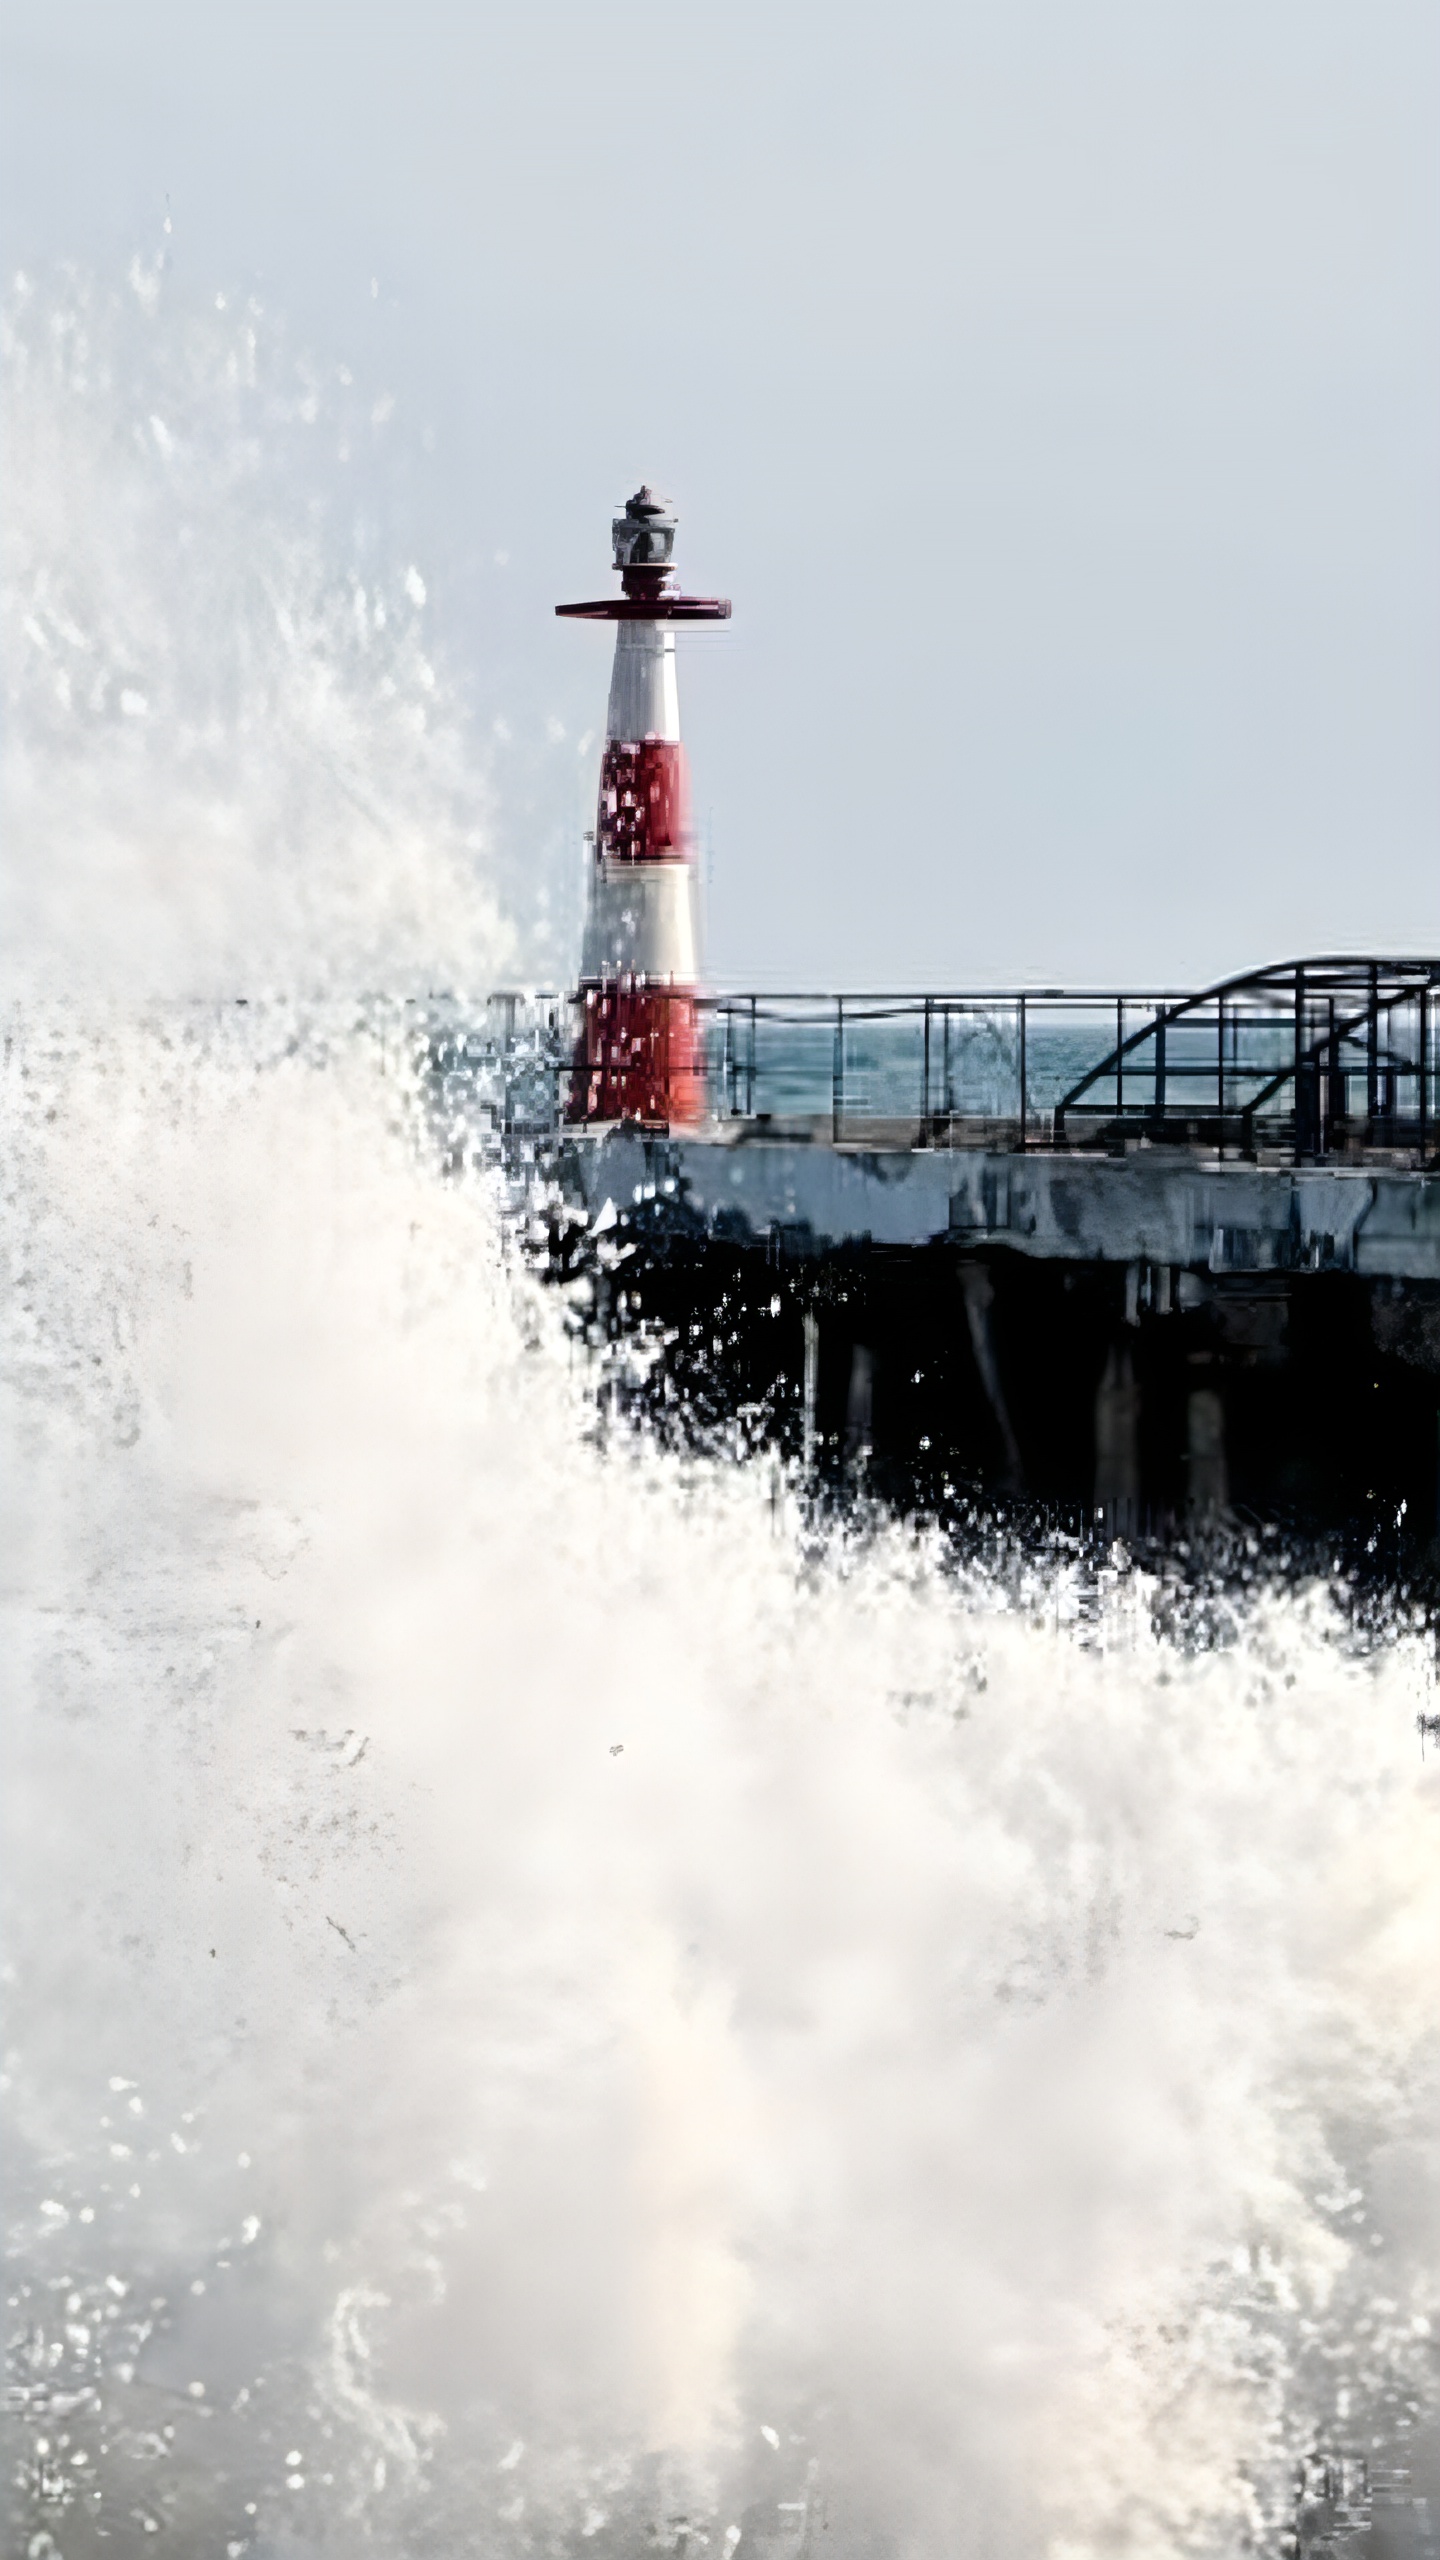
<point x="542" y="2003"/>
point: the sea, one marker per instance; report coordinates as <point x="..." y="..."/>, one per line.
<point x="553" y="2002"/>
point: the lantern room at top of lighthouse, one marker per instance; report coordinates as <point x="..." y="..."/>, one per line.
<point x="643" y="536"/>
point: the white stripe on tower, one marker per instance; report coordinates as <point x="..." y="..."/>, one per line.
<point x="639" y="1053"/>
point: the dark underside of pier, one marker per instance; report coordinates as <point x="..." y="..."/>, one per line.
<point x="1104" y="1401"/>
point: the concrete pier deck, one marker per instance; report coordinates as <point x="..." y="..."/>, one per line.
<point x="798" y="1195"/>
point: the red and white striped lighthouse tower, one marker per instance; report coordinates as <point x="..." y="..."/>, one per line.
<point x="639" y="1054"/>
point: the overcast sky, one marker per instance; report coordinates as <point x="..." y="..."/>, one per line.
<point x="1055" y="389"/>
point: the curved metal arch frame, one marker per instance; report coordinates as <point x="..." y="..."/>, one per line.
<point x="1387" y="984"/>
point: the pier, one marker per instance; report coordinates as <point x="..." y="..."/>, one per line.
<point x="1144" y="1261"/>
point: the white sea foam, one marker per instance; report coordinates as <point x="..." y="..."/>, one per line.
<point x="539" y="2004"/>
<point x="231" y="760"/>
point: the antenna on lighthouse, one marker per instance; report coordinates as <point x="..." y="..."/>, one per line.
<point x="639" y="1054"/>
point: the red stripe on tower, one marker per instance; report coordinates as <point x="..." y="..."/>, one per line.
<point x="639" y="1051"/>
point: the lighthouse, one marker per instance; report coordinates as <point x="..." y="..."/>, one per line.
<point x="639" y="1051"/>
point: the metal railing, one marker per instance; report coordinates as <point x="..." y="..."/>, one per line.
<point x="956" y="1067"/>
<point x="1309" y="1060"/>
